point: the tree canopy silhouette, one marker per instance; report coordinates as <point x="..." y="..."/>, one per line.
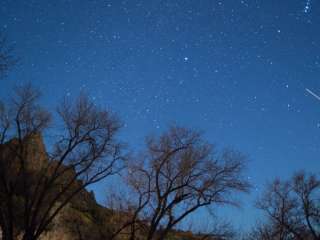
<point x="292" y="208"/>
<point x="35" y="183"/>
<point x="177" y="174"/>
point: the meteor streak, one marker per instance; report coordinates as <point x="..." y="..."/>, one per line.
<point x="313" y="94"/>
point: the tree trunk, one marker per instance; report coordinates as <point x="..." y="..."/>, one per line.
<point x="151" y="233"/>
<point x="29" y="236"/>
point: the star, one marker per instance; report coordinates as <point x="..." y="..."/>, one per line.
<point x="307" y="7"/>
<point x="207" y="66"/>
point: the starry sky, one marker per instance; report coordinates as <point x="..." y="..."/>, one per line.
<point x="246" y="72"/>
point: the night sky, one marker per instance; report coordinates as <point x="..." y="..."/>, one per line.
<point x="246" y="72"/>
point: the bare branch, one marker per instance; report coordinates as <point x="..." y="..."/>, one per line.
<point x="45" y="182"/>
<point x="292" y="207"/>
<point x="179" y="173"/>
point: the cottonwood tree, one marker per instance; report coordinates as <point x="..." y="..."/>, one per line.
<point x="292" y="208"/>
<point x="177" y="174"/>
<point x="35" y="183"/>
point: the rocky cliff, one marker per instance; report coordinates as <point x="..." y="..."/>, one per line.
<point x="82" y="218"/>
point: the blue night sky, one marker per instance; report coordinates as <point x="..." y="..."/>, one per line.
<point x="238" y="70"/>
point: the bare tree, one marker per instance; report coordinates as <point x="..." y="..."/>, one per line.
<point x="262" y="232"/>
<point x="281" y="209"/>
<point x="35" y="183"/>
<point x="177" y="174"/>
<point x="293" y="208"/>
<point x="307" y="190"/>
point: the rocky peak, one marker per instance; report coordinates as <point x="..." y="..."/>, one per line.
<point x="32" y="149"/>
